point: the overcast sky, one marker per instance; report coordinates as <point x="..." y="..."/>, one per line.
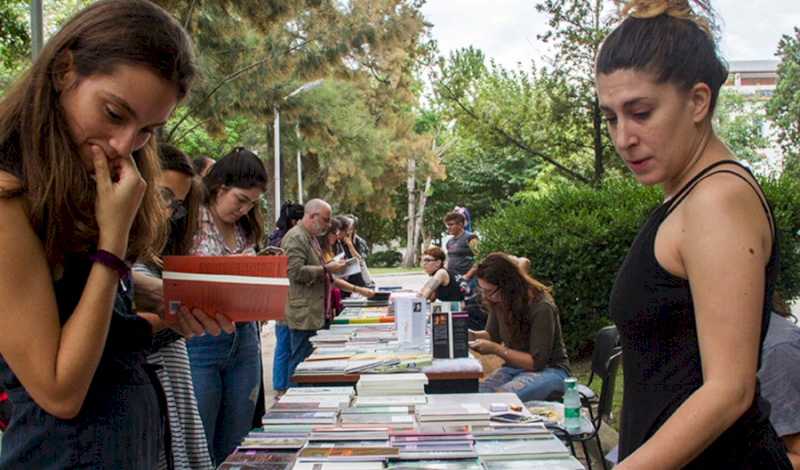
<point x="506" y="29"/>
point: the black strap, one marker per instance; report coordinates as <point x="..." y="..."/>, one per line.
<point x="686" y="189"/>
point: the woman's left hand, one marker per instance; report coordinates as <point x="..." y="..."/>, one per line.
<point x="484" y="346"/>
<point x="196" y="323"/>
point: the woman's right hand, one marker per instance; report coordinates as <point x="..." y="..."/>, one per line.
<point x="196" y="322"/>
<point x="118" y="199"/>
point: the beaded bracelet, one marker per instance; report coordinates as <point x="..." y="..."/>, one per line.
<point x="112" y="261"/>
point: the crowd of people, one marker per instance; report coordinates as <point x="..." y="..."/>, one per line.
<point x="90" y="203"/>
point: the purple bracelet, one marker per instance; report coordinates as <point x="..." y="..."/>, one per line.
<point x="110" y="260"/>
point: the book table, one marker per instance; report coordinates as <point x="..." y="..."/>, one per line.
<point x="449" y="431"/>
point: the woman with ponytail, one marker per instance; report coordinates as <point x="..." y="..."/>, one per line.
<point x="691" y="298"/>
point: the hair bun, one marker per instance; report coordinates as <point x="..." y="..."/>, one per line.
<point x="679" y="9"/>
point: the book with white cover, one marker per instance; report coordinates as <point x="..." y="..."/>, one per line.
<point x="338" y="390"/>
<point x="409" y="318"/>
<point x="375" y="465"/>
<point x="518" y="449"/>
<point x="390" y="400"/>
<point x="569" y="463"/>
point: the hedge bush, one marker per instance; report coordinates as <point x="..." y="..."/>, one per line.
<point x="386" y="259"/>
<point x="577" y="237"/>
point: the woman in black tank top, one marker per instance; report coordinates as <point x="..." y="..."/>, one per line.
<point x="691" y="297"/>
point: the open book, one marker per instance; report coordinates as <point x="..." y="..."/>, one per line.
<point x="244" y="288"/>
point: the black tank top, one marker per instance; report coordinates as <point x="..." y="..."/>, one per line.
<point x="654" y="312"/>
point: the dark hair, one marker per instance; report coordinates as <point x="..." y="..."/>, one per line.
<point x="458" y="217"/>
<point x="436" y="252"/>
<point x="201" y="163"/>
<point x="181" y="234"/>
<point x="326" y="246"/>
<point x="242" y="169"/>
<point x="289" y="212"/>
<point x="517" y="290"/>
<point x="669" y="41"/>
<point x="34" y="130"/>
<point x="345" y="221"/>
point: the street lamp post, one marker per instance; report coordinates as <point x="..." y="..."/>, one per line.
<point x="277" y="112"/>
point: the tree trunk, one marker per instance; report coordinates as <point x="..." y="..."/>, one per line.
<point x="423" y="199"/>
<point x="411" y="244"/>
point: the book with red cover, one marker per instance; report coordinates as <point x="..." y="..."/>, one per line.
<point x="243" y="288"/>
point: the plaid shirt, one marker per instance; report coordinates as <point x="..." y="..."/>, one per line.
<point x="209" y="241"/>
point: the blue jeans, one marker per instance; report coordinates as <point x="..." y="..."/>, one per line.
<point x="526" y="385"/>
<point x="226" y="372"/>
<point x="301" y="348"/>
<point x="280" y="360"/>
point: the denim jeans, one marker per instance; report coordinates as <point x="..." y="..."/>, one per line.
<point x="301" y="348"/>
<point x="526" y="385"/>
<point x="280" y="360"/>
<point x="226" y="372"/>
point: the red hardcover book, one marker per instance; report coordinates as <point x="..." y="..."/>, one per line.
<point x="243" y="288"/>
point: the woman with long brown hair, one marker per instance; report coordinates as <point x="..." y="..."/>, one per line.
<point x="523" y="328"/>
<point x="77" y="204"/>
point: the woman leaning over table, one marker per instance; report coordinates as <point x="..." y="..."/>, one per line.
<point x="691" y="298"/>
<point x="326" y="243"/>
<point x="226" y="370"/>
<point x="523" y="328"/>
<point x="77" y="166"/>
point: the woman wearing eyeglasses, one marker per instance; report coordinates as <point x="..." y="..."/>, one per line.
<point x="523" y="328"/>
<point x="182" y="196"/>
<point x="445" y="284"/>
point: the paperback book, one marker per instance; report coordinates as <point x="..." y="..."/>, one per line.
<point x="449" y="335"/>
<point x="246" y="288"/>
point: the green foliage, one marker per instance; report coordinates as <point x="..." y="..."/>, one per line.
<point x="738" y="122"/>
<point x="15" y="40"/>
<point x="577" y="238"/>
<point x="783" y="194"/>
<point x="386" y="259"/>
<point x="783" y="107"/>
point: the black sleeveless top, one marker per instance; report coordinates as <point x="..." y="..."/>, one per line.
<point x="120" y="419"/>
<point x="452" y="291"/>
<point x="654" y="312"/>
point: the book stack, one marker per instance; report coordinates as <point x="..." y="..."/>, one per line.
<point x="253" y="460"/>
<point x="395" y="417"/>
<point x="460" y="414"/>
<point x="441" y="446"/>
<point x="390" y="400"/>
<point x="457" y="464"/>
<point x="527" y="431"/>
<point x="300" y="417"/>
<point x="569" y="463"/>
<point x="329" y="366"/>
<point x="521" y="449"/>
<point x="399" y="384"/>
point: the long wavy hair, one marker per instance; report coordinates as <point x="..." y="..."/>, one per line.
<point x="34" y="132"/>
<point x="242" y="169"/>
<point x="516" y="288"/>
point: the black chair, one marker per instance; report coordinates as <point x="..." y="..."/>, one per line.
<point x="606" y="340"/>
<point x="590" y="428"/>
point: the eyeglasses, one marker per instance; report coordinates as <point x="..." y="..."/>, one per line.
<point x="429" y="260"/>
<point x="451" y="224"/>
<point x="482" y="291"/>
<point x="179" y="211"/>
